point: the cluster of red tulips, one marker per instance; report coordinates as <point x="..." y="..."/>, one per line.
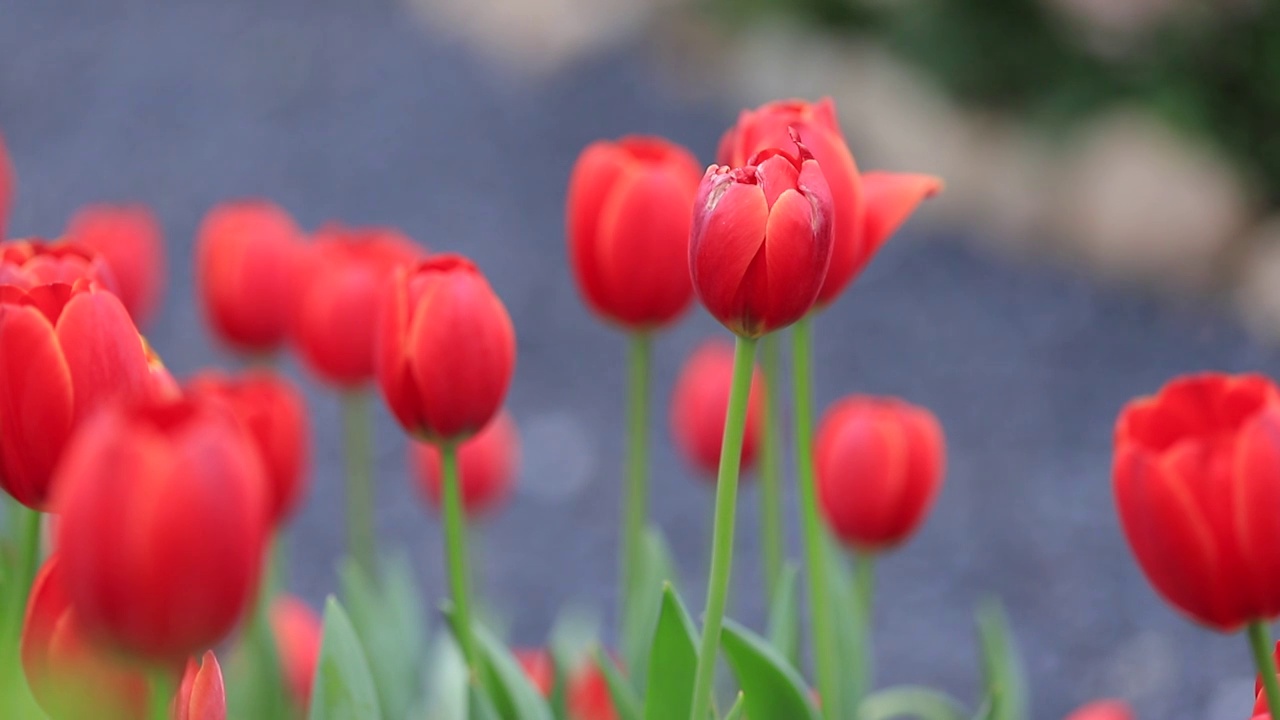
<point x="143" y="539"/>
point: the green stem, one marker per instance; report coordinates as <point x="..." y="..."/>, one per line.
<point x="635" y="509"/>
<point x="455" y="540"/>
<point x="825" y="657"/>
<point x="864" y="585"/>
<point x="726" y="508"/>
<point x="361" y="542"/>
<point x="28" y="537"/>
<point x="159" y="695"/>
<point x="771" y="470"/>
<point x="1260" y="641"/>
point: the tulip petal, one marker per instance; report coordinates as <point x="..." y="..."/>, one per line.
<point x="203" y="697"/>
<point x="796" y="262"/>
<point x="889" y="199"/>
<point x="1257" y="475"/>
<point x="104" y="352"/>
<point x="590" y="187"/>
<point x="391" y="364"/>
<point x="732" y="233"/>
<point x="36" y="403"/>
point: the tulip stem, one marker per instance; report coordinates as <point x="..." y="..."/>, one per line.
<point x="159" y="695"/>
<point x="455" y="540"/>
<point x="726" y="508"/>
<point x="771" y="539"/>
<point x="825" y="657"/>
<point x="635" y="509"/>
<point x="1260" y="641"/>
<point x="360" y="506"/>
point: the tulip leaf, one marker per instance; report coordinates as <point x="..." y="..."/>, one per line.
<point x="1006" y="694"/>
<point x="673" y="661"/>
<point x="644" y="600"/>
<point x="738" y="710"/>
<point x="846" y="611"/>
<point x="256" y="687"/>
<point x="343" y="686"/>
<point x="447" y="683"/>
<point x="388" y="620"/>
<point x="513" y="696"/>
<point x="910" y="701"/>
<point x="784" y="615"/>
<point x="624" y="697"/>
<point x="771" y="687"/>
<point x="479" y="707"/>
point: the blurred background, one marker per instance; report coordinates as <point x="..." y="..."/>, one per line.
<point x="1113" y="167"/>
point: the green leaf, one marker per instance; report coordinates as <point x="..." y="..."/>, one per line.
<point x="505" y="683"/>
<point x="673" y="661"/>
<point x="625" y="701"/>
<point x="784" y="616"/>
<point x="343" y="686"/>
<point x="772" y="688"/>
<point x="388" y="619"/>
<point x="479" y="707"/>
<point x="910" y="701"/>
<point x="644" y="602"/>
<point x="1006" y="693"/>
<point x="256" y="687"/>
<point x="738" y="710"/>
<point x="447" y="683"/>
<point x="851" y="642"/>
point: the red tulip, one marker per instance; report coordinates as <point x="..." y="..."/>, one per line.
<point x="879" y="463"/>
<point x="701" y="402"/>
<point x="246" y="253"/>
<point x="128" y="238"/>
<point x="628" y="223"/>
<point x="446" y="349"/>
<point x="163" y="520"/>
<point x="70" y="676"/>
<point x="275" y="416"/>
<point x="339" y="285"/>
<point x="487" y="463"/>
<point x="298" y="632"/>
<point x="1196" y="477"/>
<point x="589" y="697"/>
<point x="867" y="208"/>
<point x="539" y="668"/>
<point x="26" y="264"/>
<point x="201" y="695"/>
<point x="761" y="240"/>
<point x="6" y="187"/>
<point x="64" y="351"/>
<point x="1103" y="710"/>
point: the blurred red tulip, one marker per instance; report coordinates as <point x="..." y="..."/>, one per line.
<point x="201" y="694"/>
<point x="701" y="402"/>
<point x="275" y="415"/>
<point x="880" y="463"/>
<point x="6" y="187"/>
<point x="246" y="256"/>
<point x="30" y="263"/>
<point x="1196" y="475"/>
<point x="867" y="208"/>
<point x="340" y="282"/>
<point x="298" y="632"/>
<point x="539" y="668"/>
<point x="64" y="351"/>
<point x="628" y="223"/>
<point x="129" y="239"/>
<point x="446" y="349"/>
<point x="163" y="520"/>
<point x="1103" y="710"/>
<point x="761" y="240"/>
<point x="589" y="697"/>
<point x="487" y="463"/>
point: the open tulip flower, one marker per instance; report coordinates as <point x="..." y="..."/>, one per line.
<point x="26" y="264"/>
<point x="129" y="239"/>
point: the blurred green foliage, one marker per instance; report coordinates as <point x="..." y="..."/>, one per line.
<point x="1209" y="67"/>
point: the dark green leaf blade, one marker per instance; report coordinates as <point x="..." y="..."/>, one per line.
<point x="673" y="661"/>
<point x="771" y="687"/>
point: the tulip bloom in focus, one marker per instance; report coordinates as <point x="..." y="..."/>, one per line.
<point x="64" y="351"/>
<point x="6" y="187"/>
<point x="27" y="264"/>
<point x="867" y="208"/>
<point x="1103" y="710"/>
<point x="701" y="402"/>
<point x="163" y="517"/>
<point x="298" y="632"/>
<point x="246" y="253"/>
<point x="340" y="283"/>
<point x="488" y="462"/>
<point x="1196" y="477"/>
<point x="129" y="240"/>
<point x="201" y="695"/>
<point x="880" y="463"/>
<point x="446" y="349"/>
<point x="274" y="414"/>
<point x="761" y="240"/>
<point x="628" y="226"/>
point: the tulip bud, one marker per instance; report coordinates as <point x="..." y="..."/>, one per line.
<point x="628" y="226"/>
<point x="298" y="632"/>
<point x="201" y="695"/>
<point x="487" y="462"/>
<point x="446" y="349"/>
<point x="1103" y="710"/>
<point x="539" y="668"/>
<point x="761" y="240"/>
<point x="589" y="697"/>
<point x="246" y="253"/>
<point x="340" y="282"/>
<point x="64" y="351"/>
<point x="700" y="404"/>
<point x="274" y="414"/>
<point x="1196" y="474"/>
<point x="866" y="208"/>
<point x="26" y="264"/>
<point x="161" y="535"/>
<point x="129" y="240"/>
<point x="879" y="463"/>
<point x="6" y="187"/>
